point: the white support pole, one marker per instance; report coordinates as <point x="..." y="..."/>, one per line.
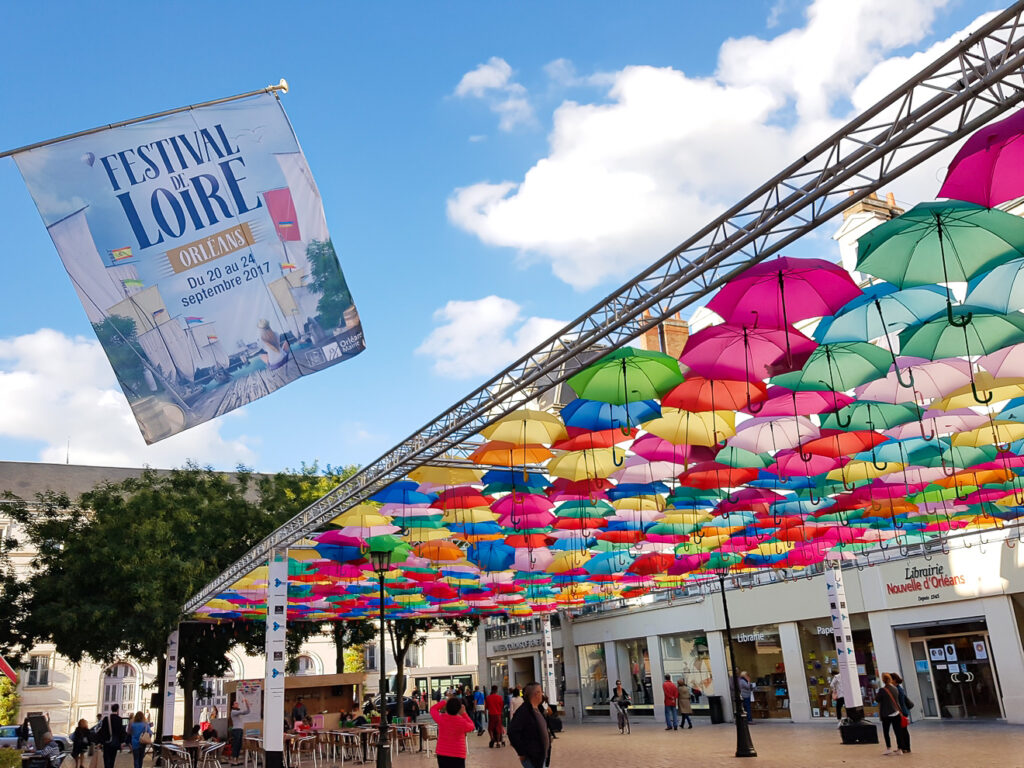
<point x="849" y="683"/>
<point x="550" y="681"/>
<point x="170" y="691"/>
<point x="273" y="683"/>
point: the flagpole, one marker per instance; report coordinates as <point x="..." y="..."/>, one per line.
<point x="282" y="86"/>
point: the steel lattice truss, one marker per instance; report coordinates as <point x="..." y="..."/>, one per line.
<point x="958" y="92"/>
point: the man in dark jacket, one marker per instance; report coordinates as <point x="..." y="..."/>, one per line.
<point x="111" y="736"/>
<point x="528" y="730"/>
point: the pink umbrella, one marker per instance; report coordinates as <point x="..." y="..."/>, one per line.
<point x="745" y="354"/>
<point x="932" y="379"/>
<point x="986" y="170"/>
<point x="786" y="402"/>
<point x="687" y="563"/>
<point x="654" y="448"/>
<point x="521" y="520"/>
<point x="772" y="434"/>
<point x="789" y="463"/>
<point x="519" y="504"/>
<point x="533" y="560"/>
<point x="777" y="293"/>
<point x="749" y="498"/>
<point x="1006" y="363"/>
<point x="938" y="422"/>
<point x="640" y="470"/>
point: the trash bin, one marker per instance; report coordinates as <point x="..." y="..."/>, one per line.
<point x="716" y="709"/>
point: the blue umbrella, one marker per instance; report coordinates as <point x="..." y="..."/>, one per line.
<point x="403" y="492"/>
<point x="492" y="555"/>
<point x="594" y="415"/>
<point x="880" y="310"/>
<point x="1001" y="290"/>
<point x="608" y="563"/>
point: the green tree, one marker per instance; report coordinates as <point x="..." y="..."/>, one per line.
<point x="347" y="634"/>
<point x="8" y="702"/>
<point x="329" y="281"/>
<point x="112" y="572"/>
<point x="405" y="633"/>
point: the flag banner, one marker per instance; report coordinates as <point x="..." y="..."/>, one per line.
<point x="198" y="246"/>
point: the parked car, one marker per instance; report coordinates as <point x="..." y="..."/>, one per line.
<point x="408" y="705"/>
<point x="9" y="739"/>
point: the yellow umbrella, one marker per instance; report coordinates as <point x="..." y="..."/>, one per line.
<point x="862" y="470"/>
<point x="361" y="516"/>
<point x="693" y="428"/>
<point x="640" y="503"/>
<point x="995" y="432"/>
<point x="471" y="515"/>
<point x="502" y="454"/>
<point x="986" y="384"/>
<point x="426" y="534"/>
<point x="526" y="426"/>
<point x="302" y="555"/>
<point x="589" y="464"/>
<point x="446" y="475"/>
<point x="568" y="561"/>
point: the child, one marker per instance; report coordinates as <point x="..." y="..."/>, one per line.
<point x="452" y="726"/>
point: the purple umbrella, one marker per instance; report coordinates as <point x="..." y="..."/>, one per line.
<point x="986" y="170"/>
<point x="932" y="379"/>
<point x="654" y="448"/>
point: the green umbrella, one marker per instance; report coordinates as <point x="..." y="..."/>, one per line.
<point x="868" y="414"/>
<point x="940" y="242"/>
<point x="842" y="366"/>
<point x="935" y="493"/>
<point x="984" y="335"/>
<point x="740" y="458"/>
<point x="626" y="376"/>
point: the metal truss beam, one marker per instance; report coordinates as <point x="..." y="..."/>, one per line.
<point x="963" y="89"/>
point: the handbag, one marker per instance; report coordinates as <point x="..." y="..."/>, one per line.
<point x="145" y="738"/>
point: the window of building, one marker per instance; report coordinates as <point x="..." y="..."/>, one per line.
<point x="413" y="656"/>
<point x="456" y="653"/>
<point x="305" y="665"/>
<point x="370" y="656"/>
<point x="119" y="687"/>
<point x="593" y="679"/>
<point x="38" y="671"/>
<point x="686" y="656"/>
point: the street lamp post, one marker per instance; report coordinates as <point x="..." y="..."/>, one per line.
<point x="381" y="563"/>
<point x="744" y="746"/>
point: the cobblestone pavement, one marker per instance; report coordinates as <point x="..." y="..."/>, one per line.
<point x="778" y="745"/>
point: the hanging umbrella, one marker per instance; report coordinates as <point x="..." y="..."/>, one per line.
<point x="654" y="448"/>
<point x="702" y="428"/>
<point x="501" y="454"/>
<point x="700" y="394"/>
<point x="627" y="375"/>
<point x="445" y="475"/>
<point x="761" y="435"/>
<point x="985" y="388"/>
<point x="932" y="379"/>
<point x="984" y="335"/>
<point x="842" y="366"/>
<point x="1006" y="363"/>
<point x="604" y="438"/>
<point x="583" y="465"/>
<point x="869" y="414"/>
<point x="591" y="415"/>
<point x="780" y="292"/>
<point x="744" y="354"/>
<point x="882" y="309"/>
<point x="986" y="169"/>
<point x="941" y="242"/>
<point x="783" y="401"/>
<point x="525" y="426"/>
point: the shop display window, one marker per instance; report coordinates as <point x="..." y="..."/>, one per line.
<point x="758" y="652"/>
<point x="686" y="656"/>
<point x="593" y="679"/>
<point x="818" y="654"/>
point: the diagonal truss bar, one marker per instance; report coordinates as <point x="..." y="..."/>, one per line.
<point x="963" y="89"/>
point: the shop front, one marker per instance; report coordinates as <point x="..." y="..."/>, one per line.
<point x="634" y="665"/>
<point x="594" y="686"/>
<point x="687" y="656"/>
<point x="758" y="652"/>
<point x="818" y="654"/>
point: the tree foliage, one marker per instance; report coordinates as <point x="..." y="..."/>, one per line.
<point x="8" y="702"/>
<point x="347" y="634"/>
<point x="112" y="572"/>
<point x="405" y="633"/>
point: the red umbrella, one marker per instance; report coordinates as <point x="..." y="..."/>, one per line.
<point x="460" y="497"/>
<point x="742" y="353"/>
<point x="777" y="293"/>
<point x="836" y="443"/>
<point x="700" y="394"/>
<point x="585" y="441"/>
<point x="651" y="563"/>
<point x="711" y="474"/>
<point x="986" y="170"/>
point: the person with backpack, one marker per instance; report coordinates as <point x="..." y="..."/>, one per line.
<point x="112" y="736"/>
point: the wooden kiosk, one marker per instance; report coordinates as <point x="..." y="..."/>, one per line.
<point x="325" y="697"/>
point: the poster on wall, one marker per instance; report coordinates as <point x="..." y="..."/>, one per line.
<point x="198" y="246"/>
<point x="249" y="696"/>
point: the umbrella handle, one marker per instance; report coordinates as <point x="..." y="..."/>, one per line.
<point x="810" y="498"/>
<point x="977" y="397"/>
<point x="930" y="437"/>
<point x="848" y="487"/>
<point x="806" y="456"/>
<point x="899" y="374"/>
<point x="880" y="467"/>
<point x="942" y="461"/>
<point x="962" y="322"/>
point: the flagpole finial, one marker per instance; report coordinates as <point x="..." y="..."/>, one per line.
<point x="282" y="86"/>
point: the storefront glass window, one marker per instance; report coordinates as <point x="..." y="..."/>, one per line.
<point x="593" y="679"/>
<point x="818" y="654"/>
<point x="686" y="656"/>
<point x="759" y="654"/>
<point x="499" y="674"/>
<point x="635" y="672"/>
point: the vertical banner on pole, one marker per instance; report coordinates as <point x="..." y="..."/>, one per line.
<point x="273" y="684"/>
<point x="170" y="692"/>
<point x="849" y="683"/>
<point x="550" y="679"/>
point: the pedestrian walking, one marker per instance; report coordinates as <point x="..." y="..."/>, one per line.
<point x="453" y="723"/>
<point x="112" y="736"/>
<point x="621" y="699"/>
<point x="478" y="709"/>
<point x="495" y="706"/>
<point x="747" y="694"/>
<point x="671" y="702"/>
<point x="514" y="703"/>
<point x="905" y="704"/>
<point x="835" y="686"/>
<point x="892" y="717"/>
<point x="684" y="703"/>
<point x="528" y="730"/>
<point x="140" y="736"/>
<point x="81" y="740"/>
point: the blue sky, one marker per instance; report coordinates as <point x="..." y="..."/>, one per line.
<point x="518" y="159"/>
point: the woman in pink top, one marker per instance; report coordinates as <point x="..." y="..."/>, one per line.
<point x="452" y="726"/>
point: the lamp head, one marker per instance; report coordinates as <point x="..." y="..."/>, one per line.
<point x="381" y="560"/>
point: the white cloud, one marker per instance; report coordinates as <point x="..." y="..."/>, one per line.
<point x="479" y="337"/>
<point x="57" y="389"/>
<point x="660" y="153"/>
<point x="492" y="82"/>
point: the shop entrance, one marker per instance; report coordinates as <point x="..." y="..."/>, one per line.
<point x="955" y="673"/>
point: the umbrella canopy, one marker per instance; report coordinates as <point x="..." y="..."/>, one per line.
<point x="627" y="375"/>
<point x="744" y="354"/>
<point x="986" y="170"/>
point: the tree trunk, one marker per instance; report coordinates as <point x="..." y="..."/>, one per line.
<point x="338" y="632"/>
<point x="400" y="681"/>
